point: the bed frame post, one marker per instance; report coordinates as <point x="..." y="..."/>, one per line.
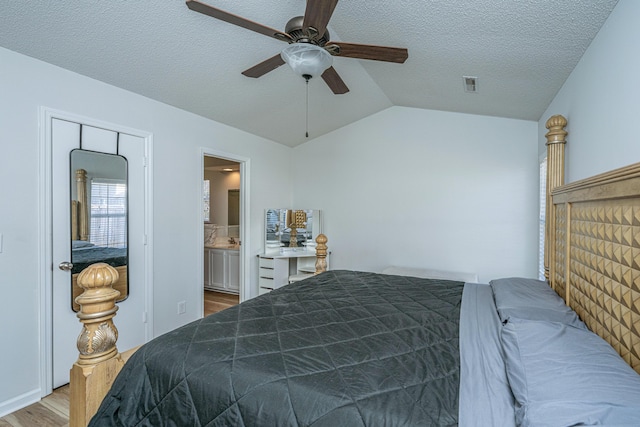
<point x="99" y="361"/>
<point x="556" y="140"/>
<point x="83" y="203"/>
<point x="321" y="253"/>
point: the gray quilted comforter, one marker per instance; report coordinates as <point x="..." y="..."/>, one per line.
<point x="342" y="348"/>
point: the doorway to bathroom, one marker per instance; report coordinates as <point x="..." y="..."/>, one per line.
<point x="222" y="233"/>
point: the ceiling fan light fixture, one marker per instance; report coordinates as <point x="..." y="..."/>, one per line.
<point x="306" y="59"/>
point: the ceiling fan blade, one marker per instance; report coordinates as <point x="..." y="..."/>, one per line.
<point x="318" y="13"/>
<point x="264" y="67"/>
<point x="197" y="6"/>
<point x="333" y="80"/>
<point x="365" y="51"/>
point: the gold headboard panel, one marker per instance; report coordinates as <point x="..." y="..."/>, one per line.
<point x="595" y="256"/>
<point x="559" y="254"/>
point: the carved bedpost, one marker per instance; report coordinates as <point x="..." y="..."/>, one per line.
<point x="321" y="253"/>
<point x="99" y="361"/>
<point x="556" y="140"/>
<point x="74" y="220"/>
<point x="83" y="202"/>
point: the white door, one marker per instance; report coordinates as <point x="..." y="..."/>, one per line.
<point x="131" y="317"/>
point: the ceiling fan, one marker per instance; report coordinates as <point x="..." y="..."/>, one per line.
<point x="307" y="37"/>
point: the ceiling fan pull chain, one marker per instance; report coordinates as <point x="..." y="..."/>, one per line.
<point x="307" y="110"/>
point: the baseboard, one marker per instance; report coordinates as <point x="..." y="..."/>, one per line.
<point x="19" y="402"/>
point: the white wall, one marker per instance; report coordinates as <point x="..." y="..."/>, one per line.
<point x="601" y="99"/>
<point x="25" y="85"/>
<point x="426" y="188"/>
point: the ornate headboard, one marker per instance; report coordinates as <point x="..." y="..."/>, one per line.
<point x="594" y="255"/>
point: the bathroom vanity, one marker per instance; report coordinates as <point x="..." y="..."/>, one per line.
<point x="222" y="269"/>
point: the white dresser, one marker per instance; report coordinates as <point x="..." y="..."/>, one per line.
<point x="276" y="268"/>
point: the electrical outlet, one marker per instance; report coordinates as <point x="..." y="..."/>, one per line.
<point x="182" y="307"/>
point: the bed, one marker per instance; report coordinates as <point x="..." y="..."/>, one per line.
<point x="340" y="348"/>
<point x="361" y="348"/>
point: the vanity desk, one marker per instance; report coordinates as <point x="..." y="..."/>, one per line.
<point x="289" y="248"/>
<point x="278" y="269"/>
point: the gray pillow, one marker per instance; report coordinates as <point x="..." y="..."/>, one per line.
<point x="80" y="244"/>
<point x="531" y="299"/>
<point x="564" y="376"/>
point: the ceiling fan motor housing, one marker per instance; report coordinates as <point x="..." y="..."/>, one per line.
<point x="295" y="29"/>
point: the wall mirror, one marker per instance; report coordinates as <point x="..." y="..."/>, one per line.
<point x="99" y="216"/>
<point x="288" y="230"/>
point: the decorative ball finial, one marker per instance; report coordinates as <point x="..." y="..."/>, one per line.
<point x="556" y="134"/>
<point x="321" y="239"/>
<point x="97" y="341"/>
<point x="99" y="275"/>
<point x="321" y="253"/>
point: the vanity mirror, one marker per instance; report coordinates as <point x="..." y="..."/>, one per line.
<point x="99" y="217"/>
<point x="290" y="230"/>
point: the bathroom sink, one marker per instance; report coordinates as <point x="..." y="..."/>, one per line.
<point x="229" y="246"/>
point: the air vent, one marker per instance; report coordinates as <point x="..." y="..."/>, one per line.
<point x="470" y="84"/>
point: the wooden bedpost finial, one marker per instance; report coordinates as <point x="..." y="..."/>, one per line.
<point x="97" y="341"/>
<point x="321" y="253"/>
<point x="556" y="134"/>
<point x="556" y="141"/>
<point x="99" y="361"/>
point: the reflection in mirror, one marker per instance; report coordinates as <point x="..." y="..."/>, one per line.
<point x="99" y="217"/>
<point x="291" y="229"/>
<point x="272" y="228"/>
<point x="233" y="207"/>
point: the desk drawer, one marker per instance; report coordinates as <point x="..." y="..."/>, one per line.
<point x="262" y="291"/>
<point x="266" y="272"/>
<point x="266" y="282"/>
<point x="267" y="263"/>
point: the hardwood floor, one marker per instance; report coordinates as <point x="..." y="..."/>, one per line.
<point x="53" y="410"/>
<point x="217" y="301"/>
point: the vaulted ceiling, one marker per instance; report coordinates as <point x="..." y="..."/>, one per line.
<point x="521" y="52"/>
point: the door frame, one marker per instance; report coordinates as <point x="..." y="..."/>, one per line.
<point x="245" y="247"/>
<point x="45" y="231"/>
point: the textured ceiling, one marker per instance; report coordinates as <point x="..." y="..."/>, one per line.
<point x="521" y="51"/>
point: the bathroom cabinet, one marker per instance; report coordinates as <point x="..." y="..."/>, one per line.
<point x="222" y="270"/>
